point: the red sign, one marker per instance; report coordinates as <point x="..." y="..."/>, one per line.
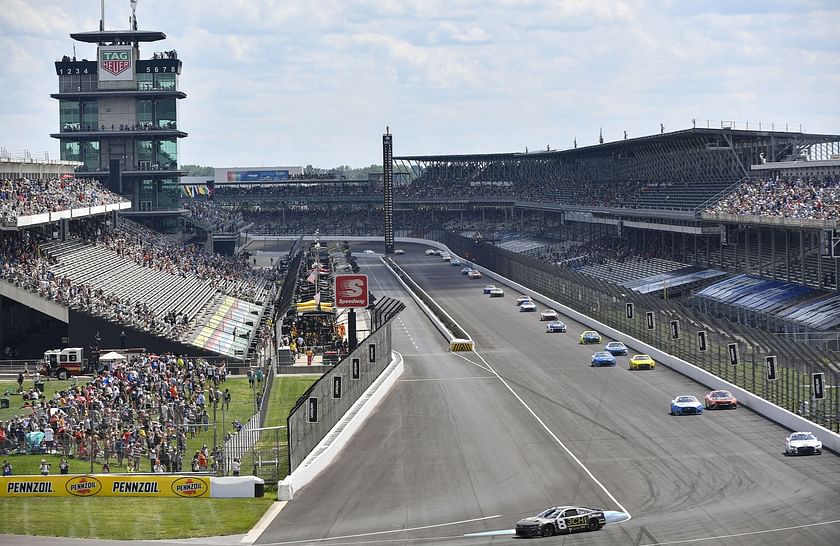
<point x="351" y="291"/>
<point x="116" y="67"/>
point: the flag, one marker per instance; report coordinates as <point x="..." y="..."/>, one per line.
<point x="317" y="298"/>
<point x="312" y="276"/>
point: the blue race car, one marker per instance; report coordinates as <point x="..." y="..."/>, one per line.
<point x="616" y="348"/>
<point x="603" y="358"/>
<point x="686" y="404"/>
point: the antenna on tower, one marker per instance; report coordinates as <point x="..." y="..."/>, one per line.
<point x="102" y="16"/>
<point x="133" y="14"/>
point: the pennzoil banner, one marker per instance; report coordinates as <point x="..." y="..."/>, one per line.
<point x="105" y="485"/>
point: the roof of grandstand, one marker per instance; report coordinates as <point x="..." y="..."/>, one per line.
<point x="781" y="138"/>
<point x="98" y="36"/>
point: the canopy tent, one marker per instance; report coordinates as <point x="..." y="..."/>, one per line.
<point x="112" y="356"/>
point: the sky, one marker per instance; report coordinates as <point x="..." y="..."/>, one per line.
<point x="301" y="82"/>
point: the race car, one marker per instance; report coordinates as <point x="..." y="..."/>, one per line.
<point x="603" y="358"/>
<point x="368" y="251"/>
<point x="686" y="404"/>
<point x="522" y="299"/>
<point x="561" y="519"/>
<point x="802" y="443"/>
<point x="432" y="252"/>
<point x="548" y="314"/>
<point x="642" y="362"/>
<point x="445" y="257"/>
<point x="399" y="252"/>
<point x="474" y="274"/>
<point x="528" y="307"/>
<point x="590" y="336"/>
<point x="497" y="293"/>
<point x="616" y="348"/>
<point x="455" y="262"/>
<point x="488" y="288"/>
<point x="720" y="399"/>
<point x="466" y="270"/>
<point x="555" y="326"/>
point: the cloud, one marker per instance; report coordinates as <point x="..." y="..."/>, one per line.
<point x="298" y="82"/>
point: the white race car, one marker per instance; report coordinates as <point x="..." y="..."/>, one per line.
<point x="555" y="326"/>
<point x="497" y="293"/>
<point x="522" y="299"/>
<point x="474" y="274"/>
<point x="527" y="307"/>
<point x="489" y="287"/>
<point x="686" y="404"/>
<point x="432" y="252"/>
<point x="399" y="252"/>
<point x="802" y="443"/>
<point x="548" y="314"/>
<point x="445" y="257"/>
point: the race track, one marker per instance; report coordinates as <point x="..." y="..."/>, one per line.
<point x="456" y="449"/>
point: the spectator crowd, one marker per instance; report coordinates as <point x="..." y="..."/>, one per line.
<point x="24" y="197"/>
<point x="815" y="198"/>
<point x="137" y="414"/>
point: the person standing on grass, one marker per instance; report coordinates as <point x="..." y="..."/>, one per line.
<point x="235" y="467"/>
<point x="44" y="467"/>
<point x="7" y="468"/>
<point x="63" y="467"/>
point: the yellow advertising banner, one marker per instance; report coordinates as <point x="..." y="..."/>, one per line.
<point x="105" y="485"/>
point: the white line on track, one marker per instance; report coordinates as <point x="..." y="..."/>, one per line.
<point x="446" y="378"/>
<point x="387" y="532"/>
<point x="554" y="436"/>
<point x="745" y="534"/>
<point x="476" y="364"/>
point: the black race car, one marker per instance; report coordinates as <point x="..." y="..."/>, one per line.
<point x="561" y="519"/>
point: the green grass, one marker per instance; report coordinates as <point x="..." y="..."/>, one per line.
<point x="273" y="445"/>
<point x="174" y="518"/>
<point x="241" y="408"/>
<point x="131" y="518"/>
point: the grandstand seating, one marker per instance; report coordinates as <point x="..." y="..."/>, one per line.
<point x="621" y="272"/>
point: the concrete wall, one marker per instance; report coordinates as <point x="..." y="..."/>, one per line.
<point x="792" y="421"/>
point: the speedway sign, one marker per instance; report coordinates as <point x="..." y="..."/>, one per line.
<point x="351" y="291"/>
<point x="115" y="63"/>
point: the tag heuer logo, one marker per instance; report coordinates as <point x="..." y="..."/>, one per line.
<point x="115" y="62"/>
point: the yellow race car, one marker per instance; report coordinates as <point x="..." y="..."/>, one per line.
<point x="590" y="336"/>
<point x="642" y="362"/>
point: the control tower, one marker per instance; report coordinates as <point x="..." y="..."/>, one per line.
<point x="118" y="116"/>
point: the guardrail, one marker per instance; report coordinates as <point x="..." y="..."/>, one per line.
<point x="459" y="339"/>
<point x="787" y="389"/>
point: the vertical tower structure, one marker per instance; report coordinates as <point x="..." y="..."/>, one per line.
<point x="388" y="189"/>
<point x="118" y="116"/>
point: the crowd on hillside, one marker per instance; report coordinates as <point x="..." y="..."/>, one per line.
<point x="137" y="414"/>
<point x="23" y="197"/>
<point x="816" y="198"/>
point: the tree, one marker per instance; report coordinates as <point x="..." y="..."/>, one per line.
<point x="198" y="170"/>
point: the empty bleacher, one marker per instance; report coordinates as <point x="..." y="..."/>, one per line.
<point x="629" y="270"/>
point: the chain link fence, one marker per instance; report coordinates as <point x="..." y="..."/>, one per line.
<point x="675" y="327"/>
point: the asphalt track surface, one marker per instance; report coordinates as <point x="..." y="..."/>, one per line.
<point x="453" y="450"/>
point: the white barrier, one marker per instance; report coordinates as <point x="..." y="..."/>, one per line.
<point x="331" y="445"/>
<point x="790" y="420"/>
<point x="236" y="487"/>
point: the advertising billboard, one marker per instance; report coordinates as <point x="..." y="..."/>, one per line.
<point x="351" y="291"/>
<point x="116" y="63"/>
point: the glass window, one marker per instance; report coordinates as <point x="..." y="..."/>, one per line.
<point x="169" y="195"/>
<point x="144" y="81"/>
<point x="145" y="153"/>
<point x="145" y="112"/>
<point x="90" y="115"/>
<point x="90" y="155"/>
<point x="68" y="115"/>
<point x="70" y="150"/>
<point x="165" y="81"/>
<point x="168" y="153"/>
<point x="165" y="113"/>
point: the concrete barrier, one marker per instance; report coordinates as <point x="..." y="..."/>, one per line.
<point x="788" y="419"/>
<point x="451" y="329"/>
<point x="331" y="445"/>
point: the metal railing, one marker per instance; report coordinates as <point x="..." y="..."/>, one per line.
<point x="605" y="302"/>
